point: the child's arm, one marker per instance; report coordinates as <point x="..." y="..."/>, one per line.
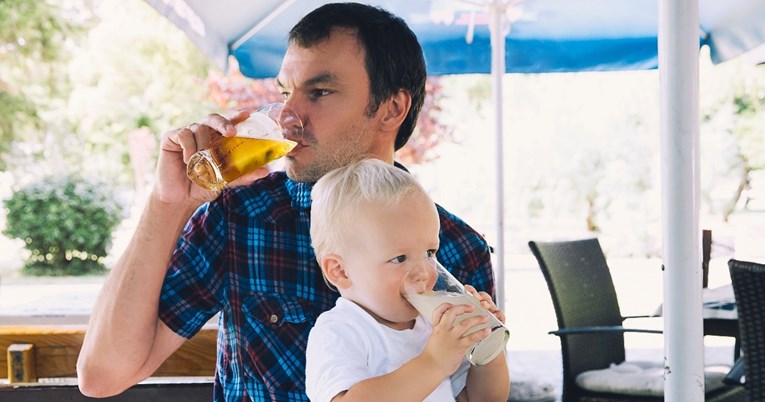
<point x="417" y="379"/>
<point x="490" y="382"/>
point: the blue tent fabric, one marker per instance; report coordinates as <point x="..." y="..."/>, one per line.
<point x="543" y="35"/>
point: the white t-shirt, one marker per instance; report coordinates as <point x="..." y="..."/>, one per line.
<point x="347" y="345"/>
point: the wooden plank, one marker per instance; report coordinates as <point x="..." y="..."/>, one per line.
<point x="56" y="349"/>
<point x="196" y="357"/>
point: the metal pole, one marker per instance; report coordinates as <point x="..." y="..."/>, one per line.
<point x="497" y="27"/>
<point x="679" y="122"/>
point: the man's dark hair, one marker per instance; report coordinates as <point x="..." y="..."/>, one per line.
<point x="393" y="56"/>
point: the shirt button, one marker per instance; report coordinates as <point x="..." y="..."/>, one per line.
<point x="274" y="318"/>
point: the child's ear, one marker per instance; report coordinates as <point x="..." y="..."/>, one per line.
<point x="333" y="269"/>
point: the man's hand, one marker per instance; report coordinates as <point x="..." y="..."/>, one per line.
<point x="176" y="148"/>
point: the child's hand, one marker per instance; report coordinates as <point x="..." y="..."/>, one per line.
<point x="486" y="302"/>
<point x="449" y="341"/>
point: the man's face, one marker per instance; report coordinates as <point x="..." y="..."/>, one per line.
<point x="328" y="86"/>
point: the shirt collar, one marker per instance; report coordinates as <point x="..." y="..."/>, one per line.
<point x="300" y="193"/>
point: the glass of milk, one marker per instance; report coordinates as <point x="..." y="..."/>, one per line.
<point x="428" y="285"/>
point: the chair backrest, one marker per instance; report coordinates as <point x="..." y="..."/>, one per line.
<point x="749" y="287"/>
<point x="583" y="295"/>
<point x="706" y="256"/>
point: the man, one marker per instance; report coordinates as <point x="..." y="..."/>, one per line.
<point x="356" y="77"/>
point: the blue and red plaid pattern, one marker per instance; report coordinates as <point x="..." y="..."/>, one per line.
<point x="248" y="256"/>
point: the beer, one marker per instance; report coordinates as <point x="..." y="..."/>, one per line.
<point x="258" y="141"/>
<point x="231" y="157"/>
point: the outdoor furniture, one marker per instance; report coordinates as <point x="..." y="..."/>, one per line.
<point x="716" y="326"/>
<point x="749" y="287"/>
<point x="706" y="256"/>
<point x="590" y="324"/>
<point x="35" y="352"/>
<point x="717" y="321"/>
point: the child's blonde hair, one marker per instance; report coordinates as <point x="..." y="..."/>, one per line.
<point x="340" y="195"/>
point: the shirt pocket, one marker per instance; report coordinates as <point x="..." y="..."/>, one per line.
<point x="277" y="333"/>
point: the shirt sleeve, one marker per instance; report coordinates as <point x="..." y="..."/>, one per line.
<point x="193" y="287"/>
<point x="336" y="359"/>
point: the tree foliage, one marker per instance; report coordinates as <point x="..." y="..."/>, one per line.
<point x="34" y="37"/>
<point x="732" y="130"/>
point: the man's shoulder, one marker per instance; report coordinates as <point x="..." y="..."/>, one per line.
<point x="452" y="224"/>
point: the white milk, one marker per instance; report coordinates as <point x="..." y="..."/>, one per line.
<point x="485" y="350"/>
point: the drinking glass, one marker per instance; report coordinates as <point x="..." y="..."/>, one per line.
<point x="428" y="285"/>
<point x="258" y="141"/>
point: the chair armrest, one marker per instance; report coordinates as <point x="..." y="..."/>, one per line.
<point x="601" y="330"/>
<point x="640" y="316"/>
<point x="736" y="373"/>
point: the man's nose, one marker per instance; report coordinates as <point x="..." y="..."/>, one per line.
<point x="289" y="119"/>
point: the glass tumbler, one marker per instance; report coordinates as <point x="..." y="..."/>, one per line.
<point x="428" y="285"/>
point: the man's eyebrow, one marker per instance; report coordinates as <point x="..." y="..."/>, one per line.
<point x="323" y="78"/>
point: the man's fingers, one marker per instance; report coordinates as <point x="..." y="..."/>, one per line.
<point x="238" y="116"/>
<point x="223" y="125"/>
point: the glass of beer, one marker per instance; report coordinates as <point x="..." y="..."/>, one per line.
<point x="428" y="285"/>
<point x="259" y="140"/>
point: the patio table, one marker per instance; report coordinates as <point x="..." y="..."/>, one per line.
<point x="720" y="313"/>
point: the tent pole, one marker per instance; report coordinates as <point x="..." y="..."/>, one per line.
<point x="497" y="27"/>
<point x="679" y="131"/>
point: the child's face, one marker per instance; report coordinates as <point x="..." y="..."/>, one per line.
<point x="388" y="243"/>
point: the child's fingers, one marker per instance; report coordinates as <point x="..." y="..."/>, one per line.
<point x="447" y="313"/>
<point x="469" y="333"/>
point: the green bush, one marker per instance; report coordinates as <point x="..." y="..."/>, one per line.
<point x="66" y="224"/>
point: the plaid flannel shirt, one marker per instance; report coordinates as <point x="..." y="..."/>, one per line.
<point x="248" y="255"/>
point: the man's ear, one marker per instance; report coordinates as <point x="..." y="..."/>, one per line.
<point x="395" y="110"/>
<point x="334" y="271"/>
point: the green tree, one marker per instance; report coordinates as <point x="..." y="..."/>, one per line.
<point x="732" y="133"/>
<point x="147" y="76"/>
<point x="33" y="37"/>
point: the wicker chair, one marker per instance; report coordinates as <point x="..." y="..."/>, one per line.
<point x="716" y="326"/>
<point x="749" y="287"/>
<point x="589" y="318"/>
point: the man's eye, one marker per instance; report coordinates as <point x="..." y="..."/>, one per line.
<point x="285" y="94"/>
<point x="318" y="93"/>
<point x="398" y="260"/>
